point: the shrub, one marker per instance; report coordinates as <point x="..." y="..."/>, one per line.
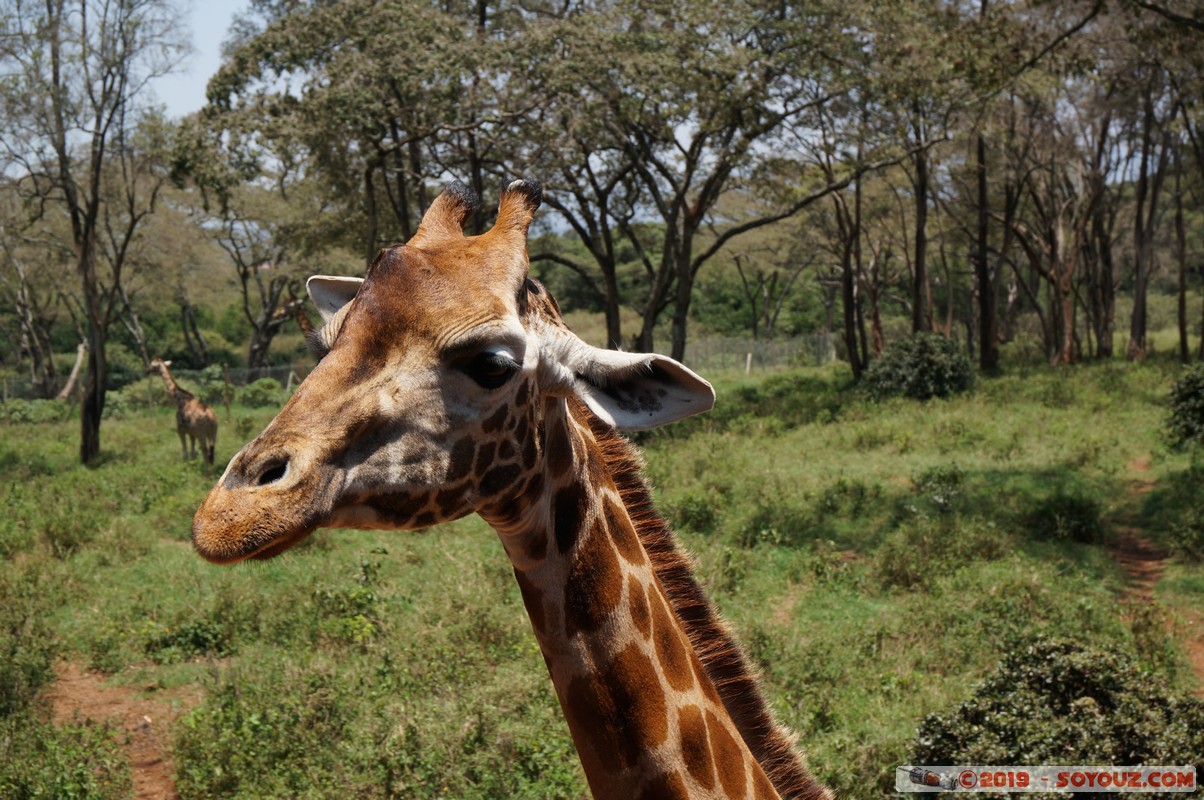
<point x="922" y="366"/>
<point x="1187" y="534"/>
<point x="192" y="639"/>
<point x="940" y="489"/>
<point x="75" y="762"/>
<point x="33" y="411"/>
<point x="921" y="551"/>
<point x="26" y="645"/>
<point x="1056" y="701"/>
<point x="1185" y="423"/>
<point x="1067" y="515"/>
<point x="263" y="393"/>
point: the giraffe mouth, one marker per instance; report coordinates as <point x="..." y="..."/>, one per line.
<point x="250" y="521"/>
<point x="273" y="549"/>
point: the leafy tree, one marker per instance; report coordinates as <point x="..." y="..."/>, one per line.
<point x="73" y="73"/>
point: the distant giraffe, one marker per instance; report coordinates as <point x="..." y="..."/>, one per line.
<point x="295" y="309"/>
<point x="195" y="421"/>
<point x="450" y="384"/>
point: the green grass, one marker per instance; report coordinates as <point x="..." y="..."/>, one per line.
<point x="878" y="560"/>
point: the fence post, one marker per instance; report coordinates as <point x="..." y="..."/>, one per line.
<point x="228" y="392"/>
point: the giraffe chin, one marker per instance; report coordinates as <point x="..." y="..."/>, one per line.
<point x="260" y="552"/>
<point x="277" y="547"/>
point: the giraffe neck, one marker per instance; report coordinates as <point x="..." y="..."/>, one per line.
<point x="634" y="651"/>
<point x="307" y="327"/>
<point x="173" y="390"/>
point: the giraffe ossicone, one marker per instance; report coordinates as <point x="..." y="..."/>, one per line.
<point x="451" y="385"/>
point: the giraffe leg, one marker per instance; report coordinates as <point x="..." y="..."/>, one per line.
<point x="183" y="444"/>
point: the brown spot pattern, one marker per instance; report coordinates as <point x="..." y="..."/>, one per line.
<point x="533" y="600"/>
<point x="623" y="534"/>
<point x="670" y="646"/>
<point x="485" y="457"/>
<point x="460" y="462"/>
<point x="728" y="758"/>
<point x="665" y="787"/>
<point x="637" y="604"/>
<point x="762" y="788"/>
<point x="559" y="451"/>
<point x="448" y="501"/>
<point x="594" y="587"/>
<point x="495" y="422"/>
<point x="499" y="479"/>
<point x="615" y="722"/>
<point x="568" y="512"/>
<point x="399" y="507"/>
<point x="696" y="746"/>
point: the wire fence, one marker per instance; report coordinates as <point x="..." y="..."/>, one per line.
<point x="725" y="354"/>
<point x="705" y="355"/>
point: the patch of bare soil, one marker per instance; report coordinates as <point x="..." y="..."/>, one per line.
<point x="1144" y="564"/>
<point x="1194" y="644"/>
<point x="144" y="719"/>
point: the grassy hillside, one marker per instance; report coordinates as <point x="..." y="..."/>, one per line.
<point x="878" y="560"/>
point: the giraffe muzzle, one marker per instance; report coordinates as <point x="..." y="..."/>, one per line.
<point x="266" y="503"/>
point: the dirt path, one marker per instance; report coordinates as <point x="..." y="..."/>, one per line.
<point x="145" y="720"/>
<point x="1144" y="564"/>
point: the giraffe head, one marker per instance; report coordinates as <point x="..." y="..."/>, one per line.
<point x="438" y="366"/>
<point x="157" y="366"/>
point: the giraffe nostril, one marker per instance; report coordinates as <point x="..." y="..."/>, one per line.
<point x="273" y="472"/>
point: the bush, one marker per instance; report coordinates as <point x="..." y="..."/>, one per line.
<point x="1185" y="423"/>
<point x="922" y="366"/>
<point x="76" y="762"/>
<point x="263" y="393"/>
<point x="19" y="411"/>
<point x="26" y="645"/>
<point x="1187" y="535"/>
<point x="1069" y="516"/>
<point x="1056" y="701"/>
<point x="922" y="551"/>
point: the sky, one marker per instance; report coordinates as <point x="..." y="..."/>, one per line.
<point x="184" y="91"/>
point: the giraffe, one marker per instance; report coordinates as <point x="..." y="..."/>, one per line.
<point x="195" y="421"/>
<point x="295" y="308"/>
<point x="448" y="384"/>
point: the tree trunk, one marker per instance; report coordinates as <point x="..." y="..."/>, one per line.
<point x="372" y="235"/>
<point x="81" y="351"/>
<point x="130" y="319"/>
<point x="1148" y="188"/>
<point x="1104" y="286"/>
<point x="93" y="406"/>
<point x="1181" y="247"/>
<point x="988" y="342"/>
<point x="681" y="305"/>
<point x="611" y="302"/>
<point x="921" y="312"/>
<point x="96" y="378"/>
<point x="194" y="340"/>
<point x="34" y="337"/>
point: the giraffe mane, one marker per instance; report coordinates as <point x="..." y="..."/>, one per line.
<point x="735" y="678"/>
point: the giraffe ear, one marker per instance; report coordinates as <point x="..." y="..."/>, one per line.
<point x="638" y="391"/>
<point x="331" y="292"/>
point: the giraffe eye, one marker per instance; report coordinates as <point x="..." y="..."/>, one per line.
<point x="490" y="369"/>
